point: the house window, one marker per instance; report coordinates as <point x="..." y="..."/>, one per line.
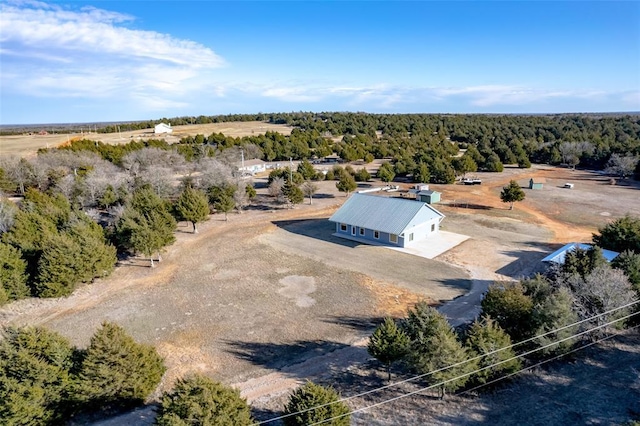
<point x="343" y="227"/>
<point x="411" y="236"/>
<point x="362" y="231"/>
<point x="393" y="238"/>
<point x="353" y="230"/>
<point x="433" y="227"/>
<point x="376" y="234"/>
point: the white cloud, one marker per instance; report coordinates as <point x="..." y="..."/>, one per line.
<point x="62" y="52"/>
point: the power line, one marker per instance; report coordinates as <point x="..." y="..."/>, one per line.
<point x="545" y="361"/>
<point x="450" y="366"/>
<point x="468" y="374"/>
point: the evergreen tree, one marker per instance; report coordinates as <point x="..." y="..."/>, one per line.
<point x="511" y="308"/>
<point x="224" y="204"/>
<point x="388" y="344"/>
<point x="192" y="206"/>
<point x="484" y="338"/>
<point x="435" y="348"/>
<point x="146" y="225"/>
<point x="109" y="197"/>
<point x="422" y="173"/>
<point x="512" y="193"/>
<point x="312" y="395"/>
<point x="199" y="401"/>
<point x="582" y="262"/>
<point x="13" y="278"/>
<point x="58" y="267"/>
<point x="34" y="377"/>
<point x="362" y="175"/>
<point x="305" y="168"/>
<point x="554" y="313"/>
<point x="293" y="193"/>
<point x="347" y="183"/>
<point x="385" y="172"/>
<point x="116" y="371"/>
<point x="620" y="235"/>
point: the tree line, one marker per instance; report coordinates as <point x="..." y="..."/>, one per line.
<point x="44" y="380"/>
<point x="521" y="322"/>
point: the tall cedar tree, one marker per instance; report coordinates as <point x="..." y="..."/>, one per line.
<point x="435" y="348"/>
<point x="293" y="193"/>
<point x="305" y="398"/>
<point x="146" y="225"/>
<point x="556" y="312"/>
<point x="388" y="344"/>
<point x="192" y="206"/>
<point x="117" y="372"/>
<point x="34" y="377"/>
<point x="198" y="400"/>
<point x="13" y="279"/>
<point x="488" y="340"/>
<point x="629" y="263"/>
<point x="620" y="235"/>
<point x="512" y="193"/>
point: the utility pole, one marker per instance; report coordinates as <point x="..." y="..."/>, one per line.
<point x="290" y="171"/>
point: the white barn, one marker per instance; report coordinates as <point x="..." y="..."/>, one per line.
<point x="162" y="128"/>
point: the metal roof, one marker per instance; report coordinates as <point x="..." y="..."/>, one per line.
<point x="559" y="255"/>
<point x="391" y="215"/>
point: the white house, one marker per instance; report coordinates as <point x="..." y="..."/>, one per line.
<point x="162" y="128"/>
<point x="252" y="166"/>
<point x="383" y="220"/>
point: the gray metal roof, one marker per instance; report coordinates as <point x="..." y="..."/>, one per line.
<point x="391" y="215"/>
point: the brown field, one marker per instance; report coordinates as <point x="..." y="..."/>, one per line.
<point x="26" y="145"/>
<point x="269" y="299"/>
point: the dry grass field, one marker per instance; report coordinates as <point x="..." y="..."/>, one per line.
<point x="269" y="299"/>
<point x="27" y="145"/>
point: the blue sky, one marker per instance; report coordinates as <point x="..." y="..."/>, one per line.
<point x="83" y="61"/>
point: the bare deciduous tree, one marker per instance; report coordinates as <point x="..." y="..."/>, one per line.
<point x="8" y="212"/>
<point x="309" y="189"/>
<point x="621" y="166"/>
<point x="275" y="189"/>
<point x="602" y="290"/>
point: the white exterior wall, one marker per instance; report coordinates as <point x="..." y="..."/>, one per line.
<point x="421" y="232"/>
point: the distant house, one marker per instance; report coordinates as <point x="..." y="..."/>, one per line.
<point x="253" y="166"/>
<point x="559" y="255"/>
<point x="387" y="221"/>
<point x="162" y="128"/>
<point x="536" y="183"/>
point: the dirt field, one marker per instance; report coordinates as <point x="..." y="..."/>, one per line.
<point x="26" y="145"/>
<point x="269" y="298"/>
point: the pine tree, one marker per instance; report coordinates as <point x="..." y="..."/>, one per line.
<point x="58" y="267"/>
<point x="554" y="313"/>
<point x="512" y="193"/>
<point x="198" y="400"/>
<point x="312" y="395"/>
<point x="388" y="344"/>
<point x="485" y="337"/>
<point x="192" y="206"/>
<point x="116" y="371"/>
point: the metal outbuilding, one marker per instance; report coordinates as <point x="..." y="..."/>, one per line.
<point x="384" y="220"/>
